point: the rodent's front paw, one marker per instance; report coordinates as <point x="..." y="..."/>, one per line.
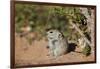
<point x="47" y="47"/>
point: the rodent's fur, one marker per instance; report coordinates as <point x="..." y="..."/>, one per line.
<point x="57" y="43"/>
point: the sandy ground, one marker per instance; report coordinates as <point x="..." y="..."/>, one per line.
<point x="37" y="53"/>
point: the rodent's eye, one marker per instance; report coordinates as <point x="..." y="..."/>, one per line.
<point x="51" y="32"/>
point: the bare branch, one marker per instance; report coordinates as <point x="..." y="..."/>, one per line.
<point x="80" y="32"/>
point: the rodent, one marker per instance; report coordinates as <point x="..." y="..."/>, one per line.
<point x="57" y="43"/>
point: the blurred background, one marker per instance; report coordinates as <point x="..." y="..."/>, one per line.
<point x="38" y="18"/>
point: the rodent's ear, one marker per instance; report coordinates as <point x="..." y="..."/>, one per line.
<point x="60" y="36"/>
